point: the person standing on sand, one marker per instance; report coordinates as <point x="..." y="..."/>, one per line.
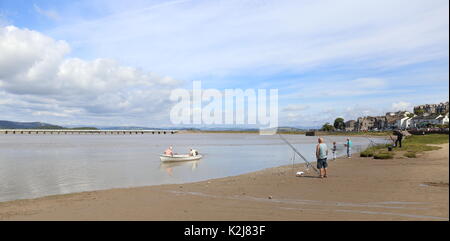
<point x="349" y="147"/>
<point x="334" y="150"/>
<point x="322" y="155"/>
<point x="398" y="141"/>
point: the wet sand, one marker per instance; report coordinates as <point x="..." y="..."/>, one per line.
<point x="356" y="189"/>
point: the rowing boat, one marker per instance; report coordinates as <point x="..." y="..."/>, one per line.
<point x="178" y="158"/>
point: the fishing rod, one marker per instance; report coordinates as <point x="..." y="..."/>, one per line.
<point x="308" y="164"/>
<point x="392" y="139"/>
<point x="372" y="143"/>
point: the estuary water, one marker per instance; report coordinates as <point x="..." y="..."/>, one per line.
<point x="40" y="165"/>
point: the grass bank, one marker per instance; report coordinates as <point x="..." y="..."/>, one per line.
<point x="354" y="133"/>
<point x="411" y="147"/>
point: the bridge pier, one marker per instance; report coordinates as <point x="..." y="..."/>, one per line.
<point x="84" y="132"/>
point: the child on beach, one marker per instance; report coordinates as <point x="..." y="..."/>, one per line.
<point x="334" y="150"/>
<point x="349" y="148"/>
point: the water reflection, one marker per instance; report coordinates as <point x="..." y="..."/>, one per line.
<point x="169" y="166"/>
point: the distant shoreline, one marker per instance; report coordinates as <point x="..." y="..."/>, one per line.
<point x="317" y="133"/>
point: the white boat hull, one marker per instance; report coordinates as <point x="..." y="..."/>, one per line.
<point x="179" y="158"/>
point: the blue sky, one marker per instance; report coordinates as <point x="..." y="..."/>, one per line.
<point x="327" y="58"/>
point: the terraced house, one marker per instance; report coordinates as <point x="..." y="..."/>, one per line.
<point x="429" y="119"/>
<point x="423" y="116"/>
<point x="440" y="108"/>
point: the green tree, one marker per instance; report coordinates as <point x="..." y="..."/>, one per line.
<point x="339" y="124"/>
<point x="419" y="112"/>
<point x="410" y="115"/>
<point x="327" y="127"/>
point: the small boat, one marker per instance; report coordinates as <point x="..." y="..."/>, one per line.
<point x="178" y="158"/>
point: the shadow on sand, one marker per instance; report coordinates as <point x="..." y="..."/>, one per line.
<point x="308" y="176"/>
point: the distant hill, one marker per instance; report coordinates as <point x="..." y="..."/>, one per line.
<point x="27" y="125"/>
<point x="36" y="125"/>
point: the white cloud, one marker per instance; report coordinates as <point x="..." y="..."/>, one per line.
<point x="402" y="106"/>
<point x="350" y="54"/>
<point x="191" y="38"/>
<point x="37" y="77"/>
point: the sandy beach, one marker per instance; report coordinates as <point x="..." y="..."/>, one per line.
<point x="356" y="189"/>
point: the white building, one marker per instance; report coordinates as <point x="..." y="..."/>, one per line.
<point x="404" y="123"/>
<point x="444" y="119"/>
<point x="398" y="120"/>
<point x="433" y="119"/>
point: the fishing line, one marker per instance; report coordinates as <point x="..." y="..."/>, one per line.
<point x="308" y="164"/>
<point x="372" y="143"/>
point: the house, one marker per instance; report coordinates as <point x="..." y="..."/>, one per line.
<point x="440" y="108"/>
<point x="370" y="123"/>
<point x="429" y="114"/>
<point x="365" y="123"/>
<point x="443" y="120"/>
<point x="429" y="119"/>
<point x="396" y="120"/>
<point x="392" y="120"/>
<point x="350" y="125"/>
<point x="403" y="123"/>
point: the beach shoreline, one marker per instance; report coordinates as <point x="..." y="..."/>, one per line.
<point x="357" y="189"/>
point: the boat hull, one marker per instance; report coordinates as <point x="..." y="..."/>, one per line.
<point x="179" y="158"/>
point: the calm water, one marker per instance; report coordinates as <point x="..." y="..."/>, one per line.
<point x="39" y="165"/>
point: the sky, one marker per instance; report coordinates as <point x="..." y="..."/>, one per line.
<point x="110" y="62"/>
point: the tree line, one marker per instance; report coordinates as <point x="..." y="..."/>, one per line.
<point x="338" y="124"/>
